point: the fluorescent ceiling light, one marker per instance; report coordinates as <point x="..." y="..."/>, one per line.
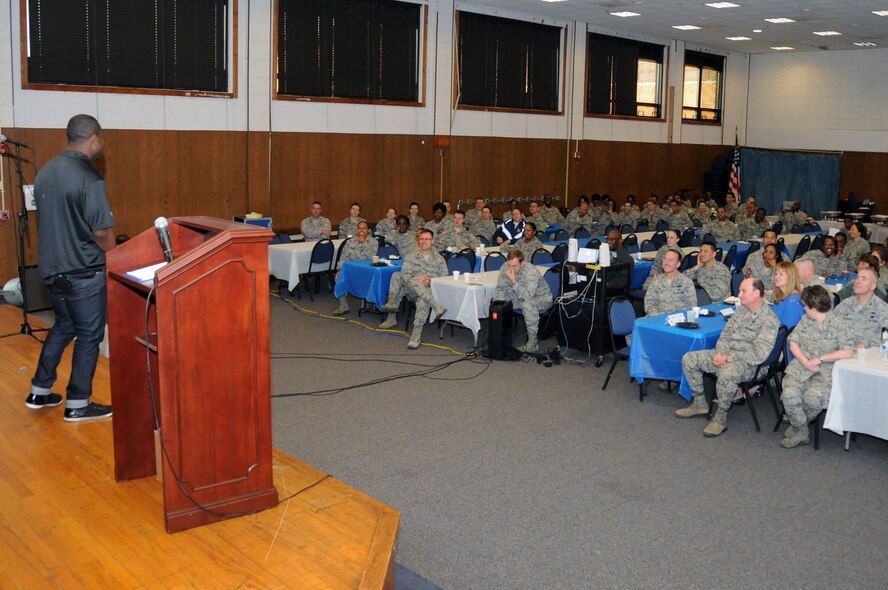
<point x="865" y="44"/>
<point x="827" y="33"/>
<point x="686" y="27"/>
<point x="625" y="14"/>
<point x="782" y="48"/>
<point x="880" y="12"/>
<point x="756" y="30"/>
<point x="722" y="5"/>
<point x="738" y="38"/>
<point x="553" y="0"/>
<point x="779" y="21"/>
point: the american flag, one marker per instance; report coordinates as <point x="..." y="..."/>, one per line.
<point x="734" y="181"/>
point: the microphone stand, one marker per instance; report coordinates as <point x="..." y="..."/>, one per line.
<point x="22" y="227"/>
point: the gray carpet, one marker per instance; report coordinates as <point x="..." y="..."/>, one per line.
<point x="513" y="475"/>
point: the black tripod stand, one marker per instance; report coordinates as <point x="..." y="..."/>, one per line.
<point x="23" y="228"/>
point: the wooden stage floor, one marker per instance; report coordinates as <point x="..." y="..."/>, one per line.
<point x="65" y="522"/>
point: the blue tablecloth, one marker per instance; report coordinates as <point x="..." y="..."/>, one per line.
<point x="549" y="231"/>
<point x="365" y="281"/>
<point x="657" y="347"/>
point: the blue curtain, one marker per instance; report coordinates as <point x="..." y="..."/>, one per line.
<point x="774" y="177"/>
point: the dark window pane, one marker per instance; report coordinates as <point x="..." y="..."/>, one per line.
<point x="623" y="77"/>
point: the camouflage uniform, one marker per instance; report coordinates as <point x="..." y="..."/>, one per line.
<point x="622" y="218"/>
<point x="457" y="238"/>
<point x="653" y="216"/>
<point x="722" y="231"/>
<point x="417" y="264"/>
<point x="805" y="393"/>
<point x="602" y="222"/>
<point x="416" y="222"/>
<point x="750" y="230"/>
<point x="715" y="279"/>
<point x="444" y="225"/>
<point x="485" y="228"/>
<point x="657" y="268"/>
<point x="853" y="250"/>
<point x="862" y="324"/>
<point x="574" y="222"/>
<point x="704" y="217"/>
<point x="748" y="338"/>
<point x="665" y="296"/>
<point x="349" y="226"/>
<point x="755" y="264"/>
<point x="528" y="248"/>
<point x="354" y="250"/>
<point x="732" y="209"/>
<point x="540" y="223"/>
<point x="311" y="228"/>
<point x="832" y="266"/>
<point x="790" y="219"/>
<point x="404" y="242"/>
<point x="680" y="221"/>
<point x="530" y="293"/>
<point x="473" y="218"/>
<point x="384" y="226"/>
<point x="551" y="214"/>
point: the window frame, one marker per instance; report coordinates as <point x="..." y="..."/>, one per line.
<point x="703" y="61"/>
<point x="232" y="30"/>
<point x="456" y="105"/>
<point x="664" y="81"/>
<point x="421" y="70"/>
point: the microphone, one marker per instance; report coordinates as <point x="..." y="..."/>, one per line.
<point x="163" y="233"/>
<point x="4" y="139"/>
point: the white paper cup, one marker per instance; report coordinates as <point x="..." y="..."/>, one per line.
<point x="862" y="355"/>
<point x="691" y="315"/>
<point x="456" y="275"/>
<point x="467" y="276"/>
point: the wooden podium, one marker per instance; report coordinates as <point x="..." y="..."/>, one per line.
<point x="207" y="342"/>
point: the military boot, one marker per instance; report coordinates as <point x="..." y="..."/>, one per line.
<point x="798" y="437"/>
<point x="416" y="337"/>
<point x="697" y="408"/>
<point x="390" y="321"/>
<point x="789" y="431"/>
<point x="392" y="304"/>
<point x="532" y="345"/>
<point x="717" y="425"/>
<point x="439" y="309"/>
<point x="343" y="306"/>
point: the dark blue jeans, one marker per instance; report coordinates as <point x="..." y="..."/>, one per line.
<point x="79" y="313"/>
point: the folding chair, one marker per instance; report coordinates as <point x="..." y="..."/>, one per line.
<point x="621" y="315"/>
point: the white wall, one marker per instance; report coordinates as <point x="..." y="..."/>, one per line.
<point x="824" y="100"/>
<point x="812" y="100"/>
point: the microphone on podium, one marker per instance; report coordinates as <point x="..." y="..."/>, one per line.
<point x="163" y="233"/>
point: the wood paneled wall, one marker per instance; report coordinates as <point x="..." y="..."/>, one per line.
<point x="170" y="173"/>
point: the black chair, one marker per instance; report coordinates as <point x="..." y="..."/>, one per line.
<point x="689" y="261"/>
<point x="630" y="242"/>
<point x="796" y="229"/>
<point x="816" y="243"/>
<point x="658" y="239"/>
<point x="697" y="222"/>
<point x="647" y="246"/>
<point x="381" y="240"/>
<point x="541" y="256"/>
<point x="703" y="297"/>
<point x="445" y="254"/>
<point x="804" y="246"/>
<point x="729" y="257"/>
<point x="718" y="254"/>
<point x="386" y="251"/>
<point x="593" y="243"/>
<point x="662" y="225"/>
<point x="559" y="254"/>
<point x="764" y="373"/>
<point x="626" y="229"/>
<point x="778" y="227"/>
<point x="736" y="278"/>
<point x="610" y="228"/>
<point x="483" y="240"/>
<point x="560" y="235"/>
<point x="708" y="238"/>
<point x="494" y="261"/>
<point x="460" y="263"/>
<point x="753" y="246"/>
<point x="582" y="232"/>
<point x="811" y="226"/>
<point x="320" y="264"/>
<point x="687" y="238"/>
<point x="621" y="315"/>
<point x="470" y="255"/>
<point x="642" y="226"/>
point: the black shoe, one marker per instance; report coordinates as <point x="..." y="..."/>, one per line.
<point x="49" y="400"/>
<point x="90" y="412"/>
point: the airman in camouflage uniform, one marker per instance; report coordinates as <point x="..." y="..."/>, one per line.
<point x="487" y="227"/>
<point x="361" y="247"/>
<point x="550" y="214"/>
<point x="731" y="205"/>
<point x="627" y="216"/>
<point x="652" y="213"/>
<point x="864" y="315"/>
<point x="818" y="340"/>
<point x="349" y="225"/>
<point x="795" y="216"/>
<point x="826" y="261"/>
<point x="701" y="213"/>
<point x="536" y="217"/>
<point x="745" y="342"/>
<point x="678" y="219"/>
<point x="315" y="227"/>
<point x="710" y="274"/>
<point x="521" y="283"/>
<point x="671" y="290"/>
<point x="721" y="229"/>
<point x="439" y="223"/>
<point x="855" y="246"/>
<point x="402" y="238"/>
<point x="387" y="223"/>
<point x="473" y="216"/>
<point x="458" y="236"/>
<point x="582" y="216"/>
<point x="414" y="280"/>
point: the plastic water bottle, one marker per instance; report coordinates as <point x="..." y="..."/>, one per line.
<point x="885" y="343"/>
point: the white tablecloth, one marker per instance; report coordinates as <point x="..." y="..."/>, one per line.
<point x="859" y="398"/>
<point x="288" y="261"/>
<point x="876" y="233"/>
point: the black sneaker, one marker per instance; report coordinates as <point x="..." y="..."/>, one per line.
<point x="49" y="400"/>
<point x="90" y="412"/>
